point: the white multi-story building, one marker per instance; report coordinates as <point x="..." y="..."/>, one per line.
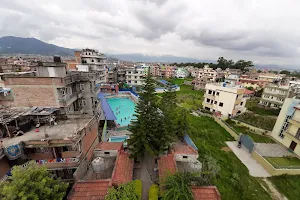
<point x="136" y="75"/>
<point x="181" y="73"/>
<point x="95" y="60"/>
<point x="274" y="95"/>
<point x="208" y="73"/>
<point x="224" y="100"/>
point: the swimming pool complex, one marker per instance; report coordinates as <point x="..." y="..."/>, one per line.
<point x="118" y="138"/>
<point x="123" y="109"/>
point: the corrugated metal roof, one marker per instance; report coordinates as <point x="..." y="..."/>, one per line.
<point x="109" y="114"/>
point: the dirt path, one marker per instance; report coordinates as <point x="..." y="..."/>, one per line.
<point x="274" y="192"/>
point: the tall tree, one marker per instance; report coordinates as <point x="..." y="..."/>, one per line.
<point x="32" y="182"/>
<point x="148" y="133"/>
<point x="168" y="106"/>
<point x="181" y="123"/>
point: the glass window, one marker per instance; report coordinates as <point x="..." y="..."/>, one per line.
<point x="221" y="104"/>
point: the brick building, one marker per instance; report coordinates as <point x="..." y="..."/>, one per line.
<point x="53" y="86"/>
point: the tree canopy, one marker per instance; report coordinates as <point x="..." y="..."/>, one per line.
<point x="221" y="63"/>
<point x="148" y="131"/>
<point x="127" y="191"/>
<point x="34" y="183"/>
<point x="285" y="72"/>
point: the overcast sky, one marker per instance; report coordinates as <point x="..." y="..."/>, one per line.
<point x="264" y="31"/>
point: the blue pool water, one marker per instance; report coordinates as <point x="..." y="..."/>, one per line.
<point x="118" y="138"/>
<point x="122" y="108"/>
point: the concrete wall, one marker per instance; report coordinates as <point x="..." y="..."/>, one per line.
<point x="227" y="128"/>
<point x="273" y="171"/>
<point x="185" y="158"/>
<point x="90" y="139"/>
<point x="80" y="171"/>
<point x="103" y="153"/>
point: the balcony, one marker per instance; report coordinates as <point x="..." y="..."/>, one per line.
<point x="68" y="99"/>
<point x="292" y="136"/>
<point x="209" y="96"/>
<point x="295" y="121"/>
<point x="207" y="105"/>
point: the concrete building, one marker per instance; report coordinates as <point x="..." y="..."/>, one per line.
<point x="287" y="127"/>
<point x="232" y="79"/>
<point x="255" y="84"/>
<point x="95" y="60"/>
<point x="43" y="136"/>
<point x="209" y="73"/>
<point x="224" y="100"/>
<point x="181" y="73"/>
<point x="272" y="78"/>
<point x="135" y="76"/>
<point x="52" y="86"/>
<point x="274" y="95"/>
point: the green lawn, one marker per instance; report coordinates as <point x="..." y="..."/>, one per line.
<point x="288" y="185"/>
<point x="252" y="105"/>
<point x="255" y="137"/>
<point x="260" y="121"/>
<point x="279" y="162"/>
<point x="233" y="181"/>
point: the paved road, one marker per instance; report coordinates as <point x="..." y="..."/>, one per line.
<point x="145" y="177"/>
<point x="255" y="169"/>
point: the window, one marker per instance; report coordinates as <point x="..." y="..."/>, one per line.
<point x="81" y="87"/>
<point x="216" y="102"/>
<point x="221" y="104"/>
<point x="106" y="153"/>
<point x="83" y="102"/>
<point x="209" y="91"/>
<point x="207" y="100"/>
<point x="184" y="157"/>
<point x="92" y="60"/>
<point x="241" y="103"/>
<point x="217" y="93"/>
<point x="135" y="81"/>
<point x="135" y="77"/>
<point x="63" y="92"/>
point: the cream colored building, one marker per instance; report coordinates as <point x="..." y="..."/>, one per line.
<point x="207" y="72"/>
<point x="224" y="99"/>
<point x="287" y="127"/>
<point x="274" y="95"/>
<point x="270" y="77"/>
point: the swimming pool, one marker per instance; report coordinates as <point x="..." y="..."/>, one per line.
<point x="118" y="138"/>
<point x="123" y="109"/>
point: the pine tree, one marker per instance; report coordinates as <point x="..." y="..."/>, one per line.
<point x="181" y="123"/>
<point x="148" y="133"/>
<point x="168" y="106"/>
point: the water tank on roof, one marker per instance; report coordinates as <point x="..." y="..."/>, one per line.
<point x="98" y="165"/>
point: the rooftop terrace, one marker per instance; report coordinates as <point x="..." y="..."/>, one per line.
<point x="64" y="130"/>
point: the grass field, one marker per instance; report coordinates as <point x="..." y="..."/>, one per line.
<point x="252" y="105"/>
<point x="279" y="162"/>
<point x="255" y="137"/>
<point x="288" y="185"/>
<point x="260" y="121"/>
<point x="233" y="181"/>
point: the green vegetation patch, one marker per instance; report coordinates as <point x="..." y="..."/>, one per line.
<point x="264" y="122"/>
<point x="153" y="192"/>
<point x="233" y="180"/>
<point x="245" y="130"/>
<point x="280" y="162"/>
<point x="288" y="185"/>
<point x="252" y="105"/>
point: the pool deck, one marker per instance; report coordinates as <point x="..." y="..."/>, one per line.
<point x="118" y="133"/>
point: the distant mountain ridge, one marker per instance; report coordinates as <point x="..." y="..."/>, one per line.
<point x="148" y="58"/>
<point x="13" y="45"/>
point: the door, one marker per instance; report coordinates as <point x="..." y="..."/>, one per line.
<point x="293" y="145"/>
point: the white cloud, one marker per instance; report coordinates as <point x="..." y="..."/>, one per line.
<point x="266" y="32"/>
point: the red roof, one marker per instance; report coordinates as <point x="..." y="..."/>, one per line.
<point x="90" y="190"/>
<point x="206" y="193"/>
<point x="183" y="148"/>
<point x="166" y="164"/>
<point x="123" y="171"/>
<point x="248" y="92"/>
<point x="109" y="146"/>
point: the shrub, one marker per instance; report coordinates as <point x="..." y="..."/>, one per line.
<point x="153" y="192"/>
<point x="138" y="188"/>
